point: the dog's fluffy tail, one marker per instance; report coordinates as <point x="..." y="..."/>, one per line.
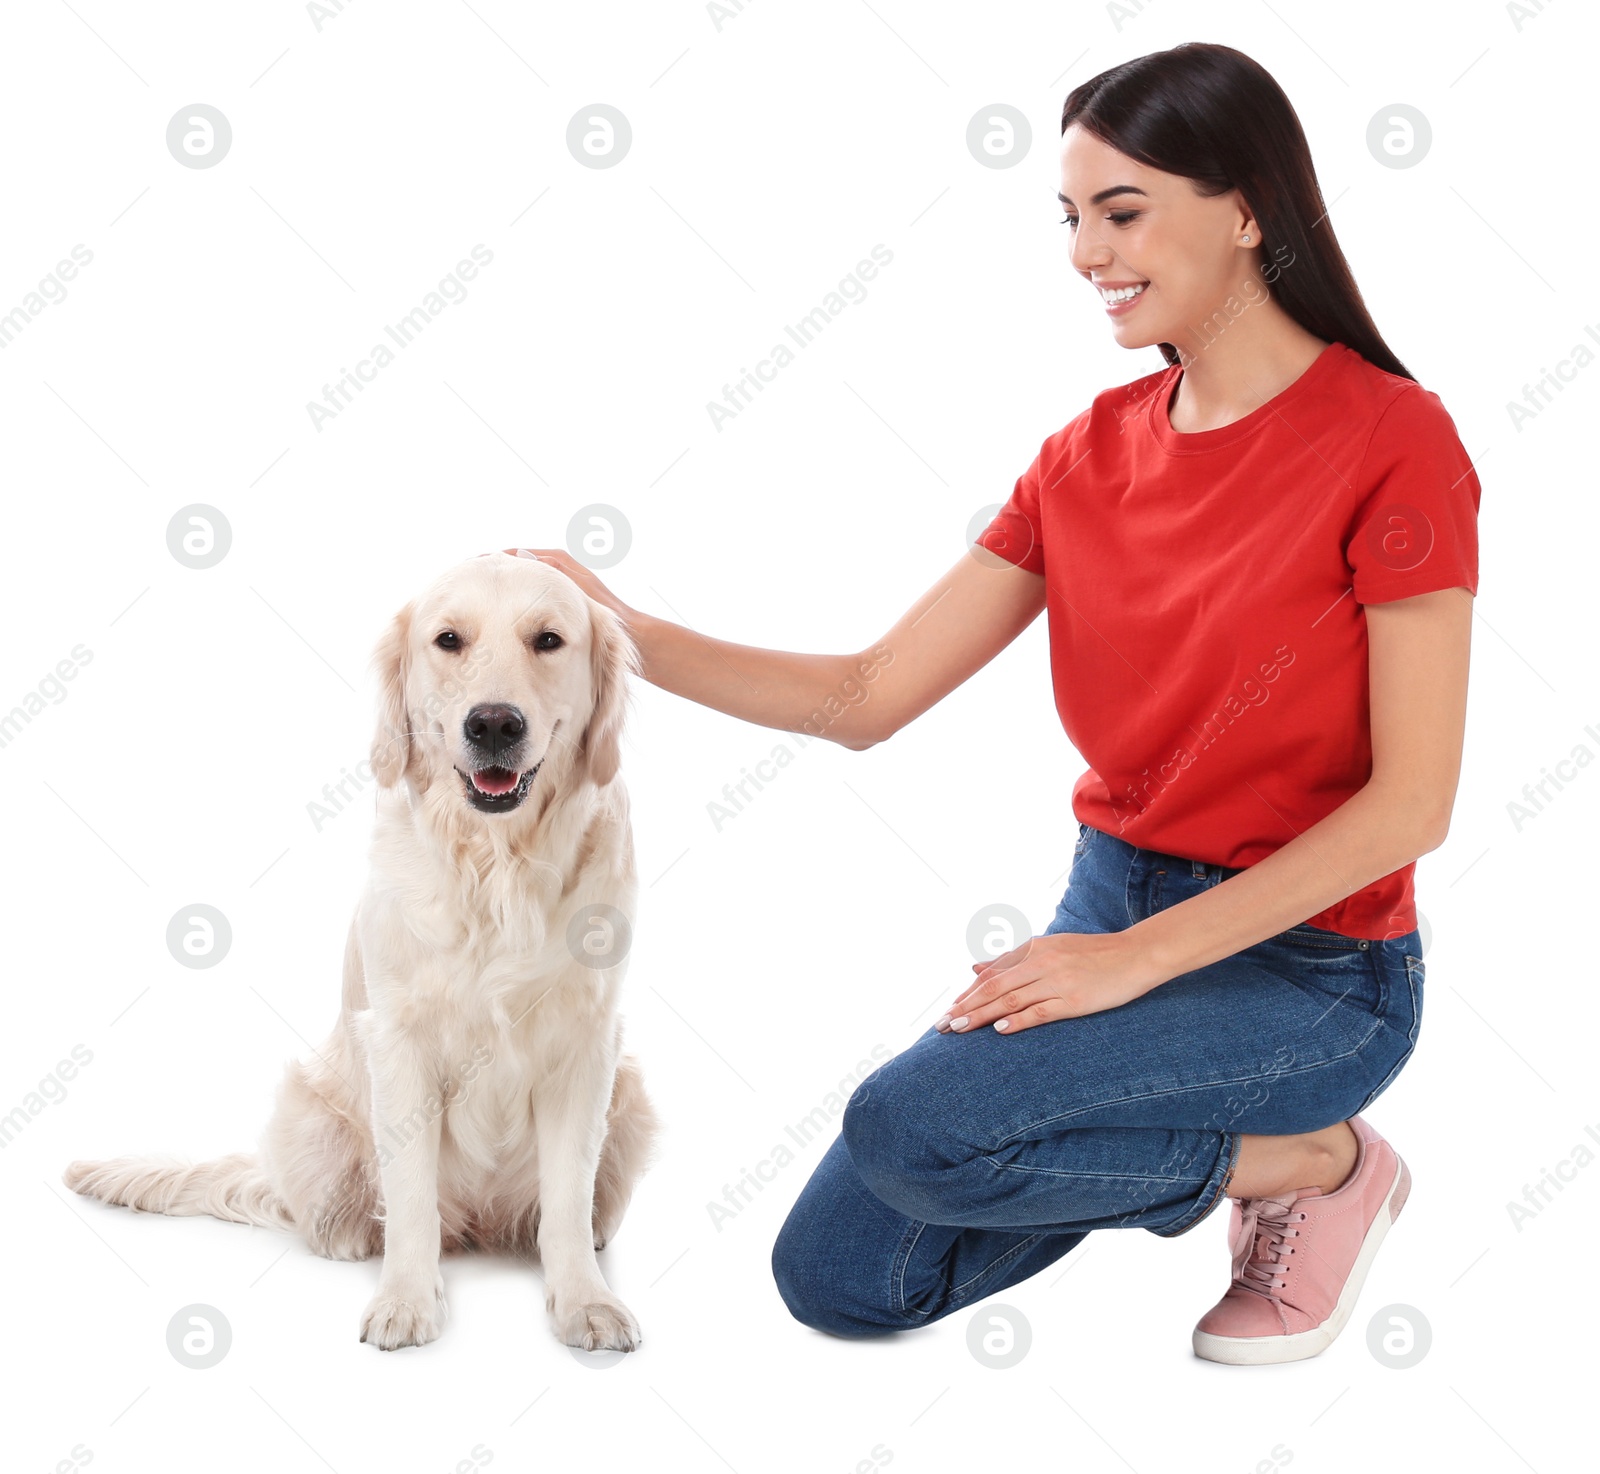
<point x="234" y="1188"/>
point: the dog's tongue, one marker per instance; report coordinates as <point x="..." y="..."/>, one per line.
<point x="494" y="781"/>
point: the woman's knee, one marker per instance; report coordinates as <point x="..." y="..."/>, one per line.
<point x="826" y="1278"/>
<point x="794" y="1273"/>
<point x="809" y="1291"/>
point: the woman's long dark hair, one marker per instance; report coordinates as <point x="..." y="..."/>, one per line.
<point x="1214" y="116"/>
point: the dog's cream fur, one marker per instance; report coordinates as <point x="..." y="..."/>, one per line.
<point x="474" y="1091"/>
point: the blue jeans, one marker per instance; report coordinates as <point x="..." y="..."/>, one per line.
<point x="969" y="1162"/>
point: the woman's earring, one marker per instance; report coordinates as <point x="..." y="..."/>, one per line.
<point x="1247" y="240"/>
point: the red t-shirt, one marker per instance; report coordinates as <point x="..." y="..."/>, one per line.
<point x="1208" y="644"/>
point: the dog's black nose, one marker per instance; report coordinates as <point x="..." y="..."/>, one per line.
<point x="494" y="727"/>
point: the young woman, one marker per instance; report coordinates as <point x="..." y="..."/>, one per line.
<point x="1258" y="565"/>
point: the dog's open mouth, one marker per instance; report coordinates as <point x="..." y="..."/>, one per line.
<point x="498" y="790"/>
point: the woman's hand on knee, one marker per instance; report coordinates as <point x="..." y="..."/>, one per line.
<point x="1064" y="975"/>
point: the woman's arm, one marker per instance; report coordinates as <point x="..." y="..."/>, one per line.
<point x="1417" y="677"/>
<point x="961" y="623"/>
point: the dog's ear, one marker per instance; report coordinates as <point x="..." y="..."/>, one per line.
<point x="392" y="742"/>
<point x="613" y="659"/>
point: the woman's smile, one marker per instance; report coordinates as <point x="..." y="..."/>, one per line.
<point x="1120" y="298"/>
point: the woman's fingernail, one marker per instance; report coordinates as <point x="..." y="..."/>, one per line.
<point x="939" y="1023"/>
<point x="959" y="1023"/>
<point x="1002" y="1024"/>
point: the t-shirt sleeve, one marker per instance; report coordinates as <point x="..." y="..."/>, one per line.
<point x="1416" y="526"/>
<point x="1016" y="533"/>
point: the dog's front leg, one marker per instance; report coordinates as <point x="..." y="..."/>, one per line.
<point x="408" y="1308"/>
<point x="570" y="1118"/>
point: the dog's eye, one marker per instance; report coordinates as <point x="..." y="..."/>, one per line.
<point x="548" y="640"/>
<point x="449" y="640"/>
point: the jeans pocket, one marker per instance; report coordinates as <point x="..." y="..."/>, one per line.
<point x="1406" y="1020"/>
<point x="1415" y="974"/>
<point x="1316" y="936"/>
<point x="1344" y="970"/>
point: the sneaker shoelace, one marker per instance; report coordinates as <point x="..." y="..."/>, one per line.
<point x="1267" y="1228"/>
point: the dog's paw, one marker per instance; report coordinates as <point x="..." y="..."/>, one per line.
<point x="391" y="1321"/>
<point x="599" y="1325"/>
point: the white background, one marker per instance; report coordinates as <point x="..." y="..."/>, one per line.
<point x="768" y="157"/>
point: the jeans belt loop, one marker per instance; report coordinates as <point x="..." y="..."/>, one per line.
<point x="1199" y="869"/>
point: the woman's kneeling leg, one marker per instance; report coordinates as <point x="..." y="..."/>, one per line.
<point x="847" y="1263"/>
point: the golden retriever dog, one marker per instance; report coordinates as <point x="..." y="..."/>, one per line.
<point x="473" y="1092"/>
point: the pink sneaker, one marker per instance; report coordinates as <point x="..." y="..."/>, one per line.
<point x="1299" y="1260"/>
